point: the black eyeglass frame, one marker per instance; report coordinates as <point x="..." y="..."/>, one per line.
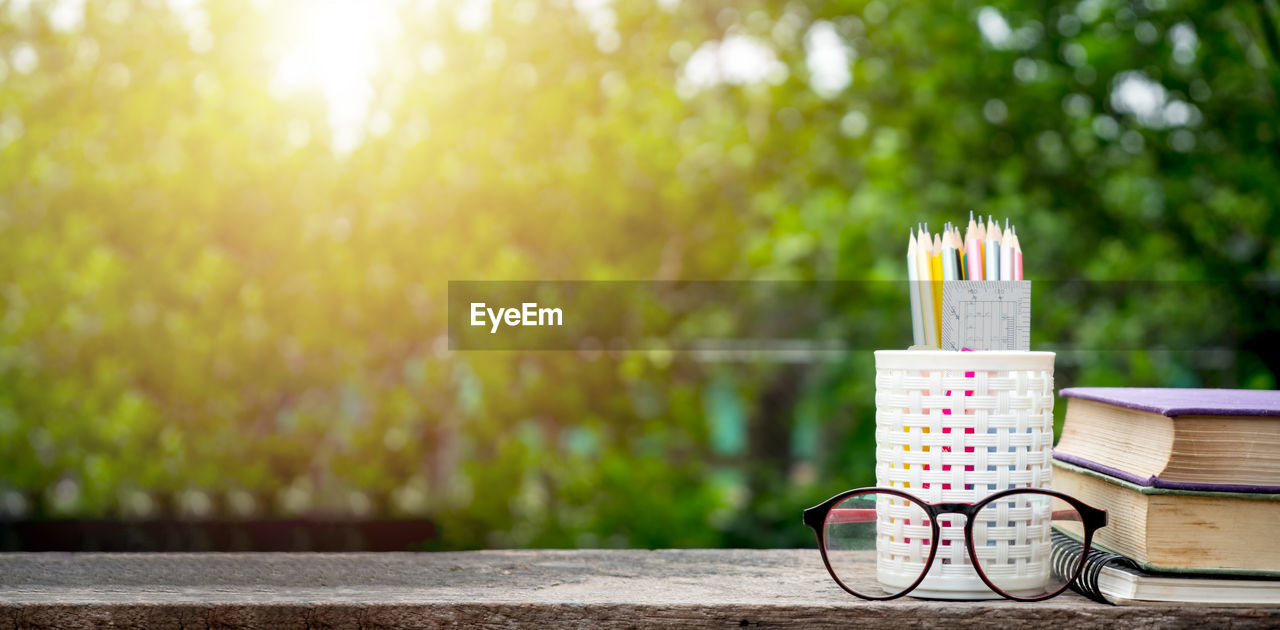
<point x="1091" y="517"/>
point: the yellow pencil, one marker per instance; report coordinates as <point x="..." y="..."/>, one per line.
<point x="935" y="265"/>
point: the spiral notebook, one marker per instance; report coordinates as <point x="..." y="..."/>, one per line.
<point x="1114" y="579"/>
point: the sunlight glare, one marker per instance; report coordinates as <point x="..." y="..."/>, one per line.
<point x="333" y="46"/>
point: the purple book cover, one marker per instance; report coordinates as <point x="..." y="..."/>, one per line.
<point x="1172" y="402"/>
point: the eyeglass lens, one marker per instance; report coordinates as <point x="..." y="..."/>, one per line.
<point x="877" y="544"/>
<point x="1012" y="540"/>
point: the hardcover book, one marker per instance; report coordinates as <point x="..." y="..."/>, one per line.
<point x="1164" y="530"/>
<point x="1185" y="439"/>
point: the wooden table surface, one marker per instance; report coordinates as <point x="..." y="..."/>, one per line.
<point x="596" y="588"/>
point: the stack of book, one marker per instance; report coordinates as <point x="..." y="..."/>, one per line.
<point x="1190" y="479"/>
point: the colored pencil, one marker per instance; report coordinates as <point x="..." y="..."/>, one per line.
<point x="991" y="252"/>
<point x="948" y="257"/>
<point x="913" y="287"/>
<point x="926" y="287"/>
<point x="973" y="251"/>
<point x="957" y="248"/>
<point x="935" y="273"/>
<point x="1006" y="254"/>
<point x="924" y="269"/>
<point x="1017" y="256"/>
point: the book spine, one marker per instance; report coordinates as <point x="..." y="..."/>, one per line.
<point x="1065" y="557"/>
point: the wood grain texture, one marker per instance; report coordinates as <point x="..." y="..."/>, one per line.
<point x="597" y="589"/>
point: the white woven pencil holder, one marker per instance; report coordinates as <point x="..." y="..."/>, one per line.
<point x="956" y="427"/>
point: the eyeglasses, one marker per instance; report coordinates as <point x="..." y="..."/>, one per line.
<point x="881" y="543"/>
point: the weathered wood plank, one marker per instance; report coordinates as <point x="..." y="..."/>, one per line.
<point x="599" y="589"/>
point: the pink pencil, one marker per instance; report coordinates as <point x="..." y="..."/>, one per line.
<point x="1017" y="256"/>
<point x="975" y="259"/>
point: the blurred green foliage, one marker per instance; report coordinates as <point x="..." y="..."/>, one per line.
<point x="210" y="306"/>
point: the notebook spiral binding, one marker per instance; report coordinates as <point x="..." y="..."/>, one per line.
<point x="1066" y="550"/>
